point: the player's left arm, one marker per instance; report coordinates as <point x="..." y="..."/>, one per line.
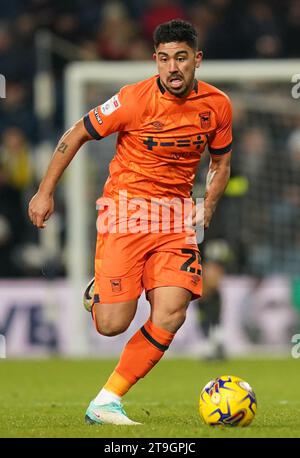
<point x="220" y="146"/>
<point x="216" y="181"/>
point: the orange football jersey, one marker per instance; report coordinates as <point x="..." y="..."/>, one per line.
<point x="161" y="137"/>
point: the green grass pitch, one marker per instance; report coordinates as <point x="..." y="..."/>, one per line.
<point x="48" y="398"/>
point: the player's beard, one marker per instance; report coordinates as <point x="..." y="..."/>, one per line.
<point x="183" y="89"/>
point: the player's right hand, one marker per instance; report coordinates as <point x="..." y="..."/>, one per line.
<point x="40" y="209"/>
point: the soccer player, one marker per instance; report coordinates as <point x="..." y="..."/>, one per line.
<point x="164" y="125"/>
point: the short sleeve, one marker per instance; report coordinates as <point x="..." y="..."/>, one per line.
<point x="221" y="141"/>
<point x="114" y="115"/>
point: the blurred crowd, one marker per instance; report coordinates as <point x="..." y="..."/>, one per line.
<point x="122" y="30"/>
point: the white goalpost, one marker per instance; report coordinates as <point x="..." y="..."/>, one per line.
<point x="250" y="83"/>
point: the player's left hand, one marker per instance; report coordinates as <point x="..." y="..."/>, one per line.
<point x="201" y="216"/>
<point x="208" y="213"/>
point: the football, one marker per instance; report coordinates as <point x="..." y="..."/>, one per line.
<point x="227" y="400"/>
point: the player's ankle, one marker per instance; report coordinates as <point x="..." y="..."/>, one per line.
<point x="106" y="397"/>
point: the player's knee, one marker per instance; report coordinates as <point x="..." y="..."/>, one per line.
<point x="172" y="321"/>
<point x="108" y="328"/>
<point x="113" y="319"/>
<point x="178" y="318"/>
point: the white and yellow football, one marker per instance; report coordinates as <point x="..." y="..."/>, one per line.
<point x="227" y="400"/>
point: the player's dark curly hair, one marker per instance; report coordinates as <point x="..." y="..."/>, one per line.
<point x="176" y="30"/>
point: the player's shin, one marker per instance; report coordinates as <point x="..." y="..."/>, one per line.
<point x="141" y="353"/>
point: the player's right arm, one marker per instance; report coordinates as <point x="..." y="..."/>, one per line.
<point x="41" y="205"/>
<point x="115" y="115"/>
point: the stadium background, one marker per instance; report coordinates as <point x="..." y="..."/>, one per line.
<point x="259" y="216"/>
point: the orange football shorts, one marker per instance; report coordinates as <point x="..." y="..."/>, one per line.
<point x="127" y="263"/>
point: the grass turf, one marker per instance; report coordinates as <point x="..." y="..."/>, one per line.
<point x="48" y="398"/>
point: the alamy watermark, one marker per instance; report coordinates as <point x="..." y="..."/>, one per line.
<point x="295" y="351"/>
<point x="295" y="92"/>
<point x="2" y="347"/>
<point x="2" y="87"/>
<point x="151" y="215"/>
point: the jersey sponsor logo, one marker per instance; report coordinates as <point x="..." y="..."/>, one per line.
<point x="116" y="285"/>
<point x="110" y="106"/>
<point x="151" y="143"/>
<point x="183" y="155"/>
<point x="205" y="119"/>
<point x="98" y="116"/>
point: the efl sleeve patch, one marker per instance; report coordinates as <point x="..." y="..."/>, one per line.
<point x="111" y="105"/>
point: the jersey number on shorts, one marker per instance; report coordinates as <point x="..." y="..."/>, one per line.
<point x="186" y="266"/>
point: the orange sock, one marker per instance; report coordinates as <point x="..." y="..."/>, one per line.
<point x="140" y="354"/>
<point x="117" y="384"/>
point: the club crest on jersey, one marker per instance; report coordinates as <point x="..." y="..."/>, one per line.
<point x="110" y="106"/>
<point x="116" y="286"/>
<point x="205" y="119"/>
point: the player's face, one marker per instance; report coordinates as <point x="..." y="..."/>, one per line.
<point x="176" y="64"/>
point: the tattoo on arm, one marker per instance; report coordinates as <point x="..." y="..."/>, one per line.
<point x="62" y="147"/>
